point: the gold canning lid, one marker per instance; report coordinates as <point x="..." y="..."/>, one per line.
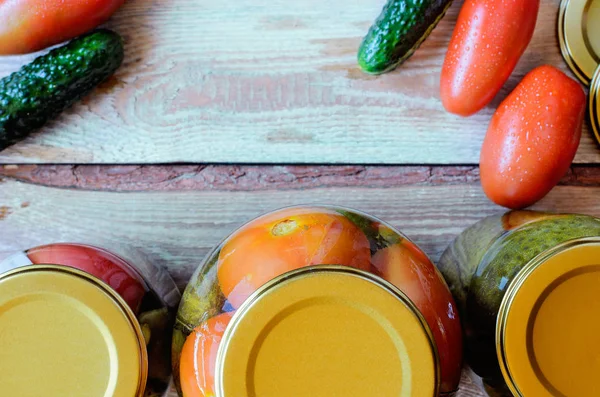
<point x="594" y="104"/>
<point x="548" y="324"/>
<point x="327" y="331"/>
<point x="579" y="36"/>
<point x="66" y="333"/>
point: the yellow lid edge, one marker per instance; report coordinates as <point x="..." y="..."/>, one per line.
<point x="593" y="106"/>
<point x="565" y="48"/>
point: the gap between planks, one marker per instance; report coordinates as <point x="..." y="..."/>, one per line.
<point x="253" y="177"/>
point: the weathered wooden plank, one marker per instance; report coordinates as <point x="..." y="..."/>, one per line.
<point x="176" y="227"/>
<point x="256" y="81"/>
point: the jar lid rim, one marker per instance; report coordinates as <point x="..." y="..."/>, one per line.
<point x="255" y="307"/>
<point x="92" y="313"/>
<point x="520" y="308"/>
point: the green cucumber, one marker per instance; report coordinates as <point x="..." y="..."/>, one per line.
<point x="398" y="31"/>
<point x="44" y="88"/>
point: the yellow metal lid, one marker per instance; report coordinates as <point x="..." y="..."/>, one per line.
<point x="548" y="326"/>
<point x="65" y="333"/>
<point x="594" y="104"/>
<point x="579" y="36"/>
<point x="327" y="331"/>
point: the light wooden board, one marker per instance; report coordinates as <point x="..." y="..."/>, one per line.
<point x="275" y="81"/>
<point x="175" y="229"/>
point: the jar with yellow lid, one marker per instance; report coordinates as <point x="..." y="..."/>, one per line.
<point x="77" y="320"/>
<point x="317" y="301"/>
<point x="526" y="284"/>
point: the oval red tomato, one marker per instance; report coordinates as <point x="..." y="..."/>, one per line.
<point x="532" y="138"/>
<point x="31" y="25"/>
<point x="288" y="240"/>
<point x="409" y="269"/>
<point x="199" y="357"/>
<point x="489" y="38"/>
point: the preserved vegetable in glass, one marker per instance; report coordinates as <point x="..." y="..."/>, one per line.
<point x="526" y="284"/>
<point x="317" y="301"/>
<point x="98" y="324"/>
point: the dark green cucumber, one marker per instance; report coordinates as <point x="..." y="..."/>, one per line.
<point x="44" y="88"/>
<point x="398" y="31"/>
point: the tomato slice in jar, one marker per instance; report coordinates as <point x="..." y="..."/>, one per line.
<point x="99" y="263"/>
<point x="199" y="357"/>
<point x="285" y="241"/>
<point x="409" y="269"/>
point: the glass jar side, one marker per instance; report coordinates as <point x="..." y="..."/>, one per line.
<point x="301" y="236"/>
<point x="501" y="263"/>
<point x="461" y="258"/>
<point x="147" y="289"/>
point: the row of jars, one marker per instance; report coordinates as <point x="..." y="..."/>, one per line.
<point x="312" y="301"/>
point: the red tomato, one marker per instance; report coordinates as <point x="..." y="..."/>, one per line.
<point x="284" y="241"/>
<point x="31" y="25"/>
<point x="489" y="38"/>
<point x="97" y="262"/>
<point x="532" y="138"/>
<point x="409" y="269"/>
<point x="199" y="357"/>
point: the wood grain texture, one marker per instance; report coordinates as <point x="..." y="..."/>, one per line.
<point x="175" y="227"/>
<point x="256" y="81"/>
<point x="129" y="178"/>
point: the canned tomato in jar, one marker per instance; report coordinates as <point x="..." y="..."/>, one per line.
<point x="526" y="284"/>
<point x="79" y="320"/>
<point x="317" y="301"/>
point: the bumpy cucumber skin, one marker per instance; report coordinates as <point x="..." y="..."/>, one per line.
<point x="44" y="88"/>
<point x="398" y="31"/>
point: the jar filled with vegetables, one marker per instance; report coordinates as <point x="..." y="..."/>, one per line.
<point x="526" y="284"/>
<point x="317" y="301"/>
<point x="97" y="324"/>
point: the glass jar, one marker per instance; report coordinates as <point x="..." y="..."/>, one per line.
<point x="317" y="301"/>
<point x="97" y="324"/>
<point x="526" y="284"/>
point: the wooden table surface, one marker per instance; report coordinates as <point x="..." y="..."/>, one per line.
<point x="260" y="82"/>
<point x="270" y="81"/>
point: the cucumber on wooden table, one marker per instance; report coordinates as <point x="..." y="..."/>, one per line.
<point x="398" y="31"/>
<point x="44" y="88"/>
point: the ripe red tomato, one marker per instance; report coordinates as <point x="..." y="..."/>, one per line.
<point x="409" y="269"/>
<point x="489" y="38"/>
<point x="532" y="138"/>
<point x="288" y="240"/>
<point x="97" y="262"/>
<point x="199" y="357"/>
<point x="31" y="25"/>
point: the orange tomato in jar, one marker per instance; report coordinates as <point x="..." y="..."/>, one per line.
<point x="411" y="271"/>
<point x="199" y="357"/>
<point x="284" y="241"/>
